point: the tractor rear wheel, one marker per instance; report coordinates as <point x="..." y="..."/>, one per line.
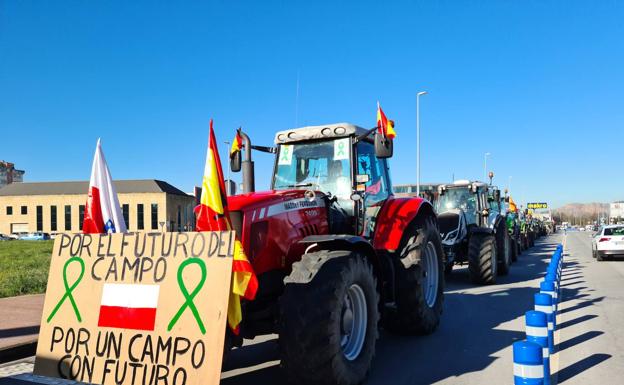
<point x="482" y="261"/>
<point x="328" y="327"/>
<point x="419" y="288"/>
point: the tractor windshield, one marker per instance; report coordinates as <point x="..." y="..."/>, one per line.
<point x="458" y="198"/>
<point x="323" y="166"/>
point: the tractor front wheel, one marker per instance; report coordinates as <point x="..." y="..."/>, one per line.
<point x="482" y="261"/>
<point x="419" y="288"/>
<point x="328" y="327"/>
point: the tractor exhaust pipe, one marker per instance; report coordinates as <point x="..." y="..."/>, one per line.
<point x="249" y="184"/>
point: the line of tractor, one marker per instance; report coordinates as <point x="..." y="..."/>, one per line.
<point x="338" y="255"/>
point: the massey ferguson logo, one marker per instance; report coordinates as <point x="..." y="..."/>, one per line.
<point x="302" y="204"/>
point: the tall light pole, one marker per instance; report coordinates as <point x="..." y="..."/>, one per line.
<point x="418" y="95"/>
<point x="485" y="166"/>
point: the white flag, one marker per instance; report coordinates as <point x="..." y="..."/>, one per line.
<point x="102" y="212"/>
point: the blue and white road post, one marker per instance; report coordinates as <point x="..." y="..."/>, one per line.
<point x="543" y="303"/>
<point x="548" y="287"/>
<point x="537" y="332"/>
<point x="528" y="363"/>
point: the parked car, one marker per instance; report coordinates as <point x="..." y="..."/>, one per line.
<point x="4" y="237"/>
<point x="35" y="237"/>
<point x="608" y="242"/>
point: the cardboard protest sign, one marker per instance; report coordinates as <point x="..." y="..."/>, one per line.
<point x="136" y="308"/>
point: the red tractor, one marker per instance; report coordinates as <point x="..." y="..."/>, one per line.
<point x="336" y="254"/>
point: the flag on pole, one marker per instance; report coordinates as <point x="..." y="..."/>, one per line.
<point x="213" y="215"/>
<point x="512" y="205"/>
<point x="102" y="212"/>
<point x="384" y="126"/>
<point x="237" y="143"/>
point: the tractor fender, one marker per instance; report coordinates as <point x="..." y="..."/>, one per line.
<point x="306" y="269"/>
<point x="394" y="218"/>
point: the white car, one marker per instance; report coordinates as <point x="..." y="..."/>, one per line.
<point x="608" y="242"/>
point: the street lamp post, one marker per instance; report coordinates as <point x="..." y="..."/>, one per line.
<point x="418" y="95"/>
<point x="485" y="166"/>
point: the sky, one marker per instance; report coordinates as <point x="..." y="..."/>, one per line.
<point x="537" y="84"/>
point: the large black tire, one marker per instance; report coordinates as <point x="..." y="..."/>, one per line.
<point x="503" y="251"/>
<point x="412" y="314"/>
<point x="514" y="250"/>
<point x="482" y="262"/>
<point x="311" y="320"/>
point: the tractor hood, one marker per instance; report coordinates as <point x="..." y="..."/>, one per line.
<point x="244" y="202"/>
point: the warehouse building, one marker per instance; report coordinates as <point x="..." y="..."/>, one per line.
<point x="56" y="207"/>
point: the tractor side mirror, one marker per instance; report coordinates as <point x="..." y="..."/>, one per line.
<point x="235" y="161"/>
<point x="506" y="199"/>
<point x="383" y="146"/>
<point x="441" y="190"/>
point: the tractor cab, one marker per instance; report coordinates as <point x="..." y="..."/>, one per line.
<point x="344" y="162"/>
<point x="462" y="199"/>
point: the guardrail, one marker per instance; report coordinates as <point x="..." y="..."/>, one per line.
<point x="532" y="356"/>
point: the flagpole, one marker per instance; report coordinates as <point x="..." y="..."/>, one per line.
<point x="227" y="187"/>
<point x="418" y="95"/>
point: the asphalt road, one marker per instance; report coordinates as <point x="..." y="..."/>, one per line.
<point x="480" y="323"/>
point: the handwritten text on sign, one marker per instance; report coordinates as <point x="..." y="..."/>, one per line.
<point x="136" y="308"/>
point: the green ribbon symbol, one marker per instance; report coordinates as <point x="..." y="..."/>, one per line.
<point x="69" y="289"/>
<point x="285" y="153"/>
<point x="341" y="148"/>
<point x="189" y="297"/>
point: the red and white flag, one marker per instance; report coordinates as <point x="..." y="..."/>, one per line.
<point x="128" y="306"/>
<point x="102" y="212"/>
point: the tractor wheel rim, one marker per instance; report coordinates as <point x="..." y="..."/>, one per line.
<point x="430" y="274"/>
<point x="353" y="322"/>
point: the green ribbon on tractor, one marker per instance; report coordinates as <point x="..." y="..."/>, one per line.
<point x="189" y="297"/>
<point x="69" y="289"/>
<point x="341" y="149"/>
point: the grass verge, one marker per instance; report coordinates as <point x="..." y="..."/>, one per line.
<point x="24" y="267"/>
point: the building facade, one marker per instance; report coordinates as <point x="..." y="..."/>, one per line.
<point x="57" y="207"/>
<point x="427" y="190"/>
<point x="9" y="174"/>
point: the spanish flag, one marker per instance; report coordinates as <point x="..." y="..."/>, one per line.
<point x="385" y="126"/>
<point x="213" y="215"/>
<point x="512" y="205"/>
<point x="237" y="143"/>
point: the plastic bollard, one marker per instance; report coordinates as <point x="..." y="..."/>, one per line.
<point x="552" y="277"/>
<point x="543" y="303"/>
<point x="548" y="287"/>
<point x="537" y="331"/>
<point x="528" y="363"/>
